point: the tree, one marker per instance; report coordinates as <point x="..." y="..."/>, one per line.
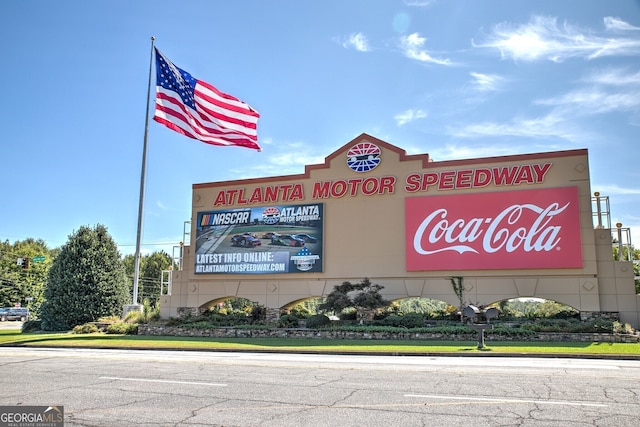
<point x="20" y="285"/>
<point x="552" y="309"/>
<point x="85" y="282"/>
<point x="365" y="297"/>
<point x="420" y="305"/>
<point x="151" y="266"/>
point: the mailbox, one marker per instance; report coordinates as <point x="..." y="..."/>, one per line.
<point x="491" y="313"/>
<point x="470" y="311"/>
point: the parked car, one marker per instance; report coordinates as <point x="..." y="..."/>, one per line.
<point x="245" y="240"/>
<point x="306" y="238"/>
<point x="20" y="314"/>
<point x="286" y="240"/>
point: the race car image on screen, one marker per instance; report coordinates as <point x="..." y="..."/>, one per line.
<point x="305" y="237"/>
<point x="286" y="240"/>
<point x="245" y="240"/>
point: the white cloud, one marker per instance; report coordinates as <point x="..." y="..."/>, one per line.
<point x="595" y="101"/>
<point x="610" y="190"/>
<point x="614" y="77"/>
<point x="457" y="152"/>
<point x="295" y="159"/>
<point x="409" y="116"/>
<point x="290" y="158"/>
<point x="543" y="38"/>
<point x="412" y="47"/>
<point x="419" y="3"/>
<point x="548" y="126"/>
<point x="604" y="92"/>
<point x="357" y="41"/>
<point x="616" y="24"/>
<point x="487" y="82"/>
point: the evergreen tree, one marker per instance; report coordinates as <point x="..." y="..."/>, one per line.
<point x="86" y="281"/>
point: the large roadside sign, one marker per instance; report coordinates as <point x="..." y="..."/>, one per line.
<point x="266" y="240"/>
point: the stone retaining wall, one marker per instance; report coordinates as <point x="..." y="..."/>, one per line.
<point x="351" y="335"/>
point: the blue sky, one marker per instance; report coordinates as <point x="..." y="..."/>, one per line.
<point x="455" y="79"/>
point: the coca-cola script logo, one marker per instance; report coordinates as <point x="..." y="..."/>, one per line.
<point x="506" y="230"/>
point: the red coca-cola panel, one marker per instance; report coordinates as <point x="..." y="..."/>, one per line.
<point x="527" y="229"/>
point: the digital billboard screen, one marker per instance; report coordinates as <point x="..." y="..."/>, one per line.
<point x="264" y="240"/>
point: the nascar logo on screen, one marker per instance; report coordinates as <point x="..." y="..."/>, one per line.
<point x="264" y="240"/>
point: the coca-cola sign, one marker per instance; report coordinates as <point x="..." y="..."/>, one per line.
<point x="527" y="229"/>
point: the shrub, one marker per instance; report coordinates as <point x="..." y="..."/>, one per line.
<point x="349" y="314"/>
<point x="288" y="321"/>
<point x="620" y="328"/>
<point x="151" y="312"/>
<point x="412" y="320"/>
<point x="109" y="319"/>
<point x="392" y="320"/>
<point x="31" y="325"/>
<point x="449" y="313"/>
<point x="217" y="318"/>
<point x="257" y="313"/>
<point x="602" y="325"/>
<point x="134" y="317"/>
<point x="174" y="321"/>
<point x="122" y="328"/>
<point x="300" y="311"/>
<point x="317" y="321"/>
<point x="87" y="328"/>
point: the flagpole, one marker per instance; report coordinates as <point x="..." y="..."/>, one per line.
<point x="136" y="273"/>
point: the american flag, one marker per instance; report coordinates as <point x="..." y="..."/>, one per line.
<point x="198" y="110"/>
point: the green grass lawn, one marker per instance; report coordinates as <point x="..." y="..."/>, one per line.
<point x="100" y="340"/>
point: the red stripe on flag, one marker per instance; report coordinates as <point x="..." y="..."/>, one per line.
<point x="171" y="112"/>
<point x="218" y="118"/>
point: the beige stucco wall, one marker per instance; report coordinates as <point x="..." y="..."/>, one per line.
<point x="364" y="236"/>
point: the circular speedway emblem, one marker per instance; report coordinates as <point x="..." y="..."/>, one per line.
<point x="363" y="157"/>
<point x="271" y="215"/>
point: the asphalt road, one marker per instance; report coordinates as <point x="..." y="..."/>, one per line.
<point x="10" y="325"/>
<point x="173" y="388"/>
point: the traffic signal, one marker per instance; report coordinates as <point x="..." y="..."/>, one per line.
<point x="25" y="263"/>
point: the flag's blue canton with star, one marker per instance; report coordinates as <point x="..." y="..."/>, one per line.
<point x="176" y="79"/>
